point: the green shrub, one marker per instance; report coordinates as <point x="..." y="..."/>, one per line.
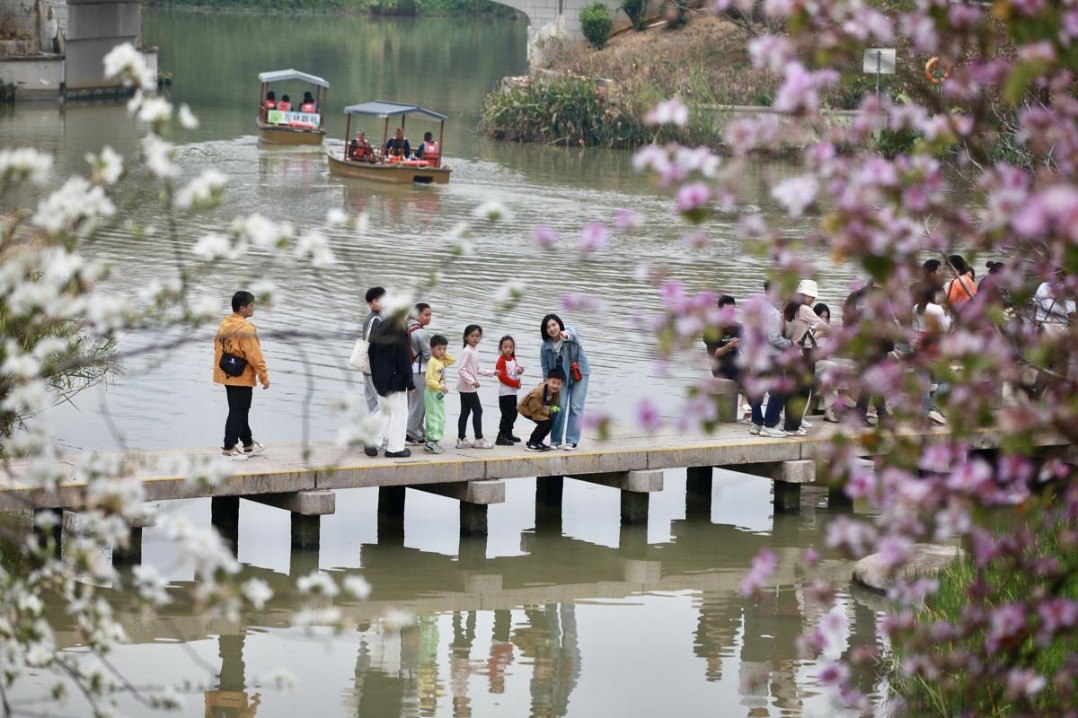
<point x="634" y="9"/>
<point x="595" y="23"/>
<point x="676" y="13"/>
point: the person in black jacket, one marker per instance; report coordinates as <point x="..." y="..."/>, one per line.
<point x="391" y="373"/>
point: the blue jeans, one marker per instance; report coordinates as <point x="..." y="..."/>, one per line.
<point x="571" y="415"/>
<point x="770" y="418"/>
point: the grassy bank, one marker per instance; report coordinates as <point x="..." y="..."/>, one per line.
<point x="967" y="597"/>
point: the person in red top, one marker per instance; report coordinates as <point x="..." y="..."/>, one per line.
<point x="308" y="103"/>
<point x="509" y="372"/>
<point x="271" y="101"/>
<point x="285" y="105"/>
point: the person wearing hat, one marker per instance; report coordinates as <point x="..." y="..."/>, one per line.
<point x="804" y="328"/>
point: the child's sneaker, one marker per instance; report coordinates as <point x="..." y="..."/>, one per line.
<point x="432" y="447"/>
<point x="234" y="454"/>
<point x="482" y="444"/>
<point x="463" y="444"/>
<point x="569" y="447"/>
<point x="514" y="439"/>
<point x="253" y="448"/>
<point x="773" y="432"/>
<point x="754" y="429"/>
<point x="503" y="441"/>
<point x="532" y="446"/>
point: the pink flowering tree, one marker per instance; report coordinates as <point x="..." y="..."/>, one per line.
<point x="990" y="173"/>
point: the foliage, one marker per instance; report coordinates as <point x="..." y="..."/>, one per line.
<point x="676" y="13"/>
<point x="573" y="111"/>
<point x="986" y="168"/>
<point x="595" y="23"/>
<point x="969" y="592"/>
<point x="634" y="10"/>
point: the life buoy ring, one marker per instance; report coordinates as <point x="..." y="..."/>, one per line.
<point x="930" y="71"/>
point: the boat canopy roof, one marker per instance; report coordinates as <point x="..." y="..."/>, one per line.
<point x="385" y="109"/>
<point x="279" y="75"/>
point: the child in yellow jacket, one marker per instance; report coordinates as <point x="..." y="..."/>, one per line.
<point x="539" y="405"/>
<point x="435" y="390"/>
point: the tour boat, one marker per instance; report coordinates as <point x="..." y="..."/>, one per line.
<point x="301" y="122"/>
<point x="375" y="162"/>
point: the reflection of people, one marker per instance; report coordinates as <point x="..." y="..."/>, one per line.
<point x="230" y="698"/>
<point x="428" y="149"/>
<point x="238" y="337"/>
<point x="561" y="349"/>
<point x="359" y="149"/>
<point x="398" y="146"/>
<point x="550" y="640"/>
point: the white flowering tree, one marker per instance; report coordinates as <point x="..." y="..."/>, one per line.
<point x="57" y="334"/>
<point x="988" y="173"/>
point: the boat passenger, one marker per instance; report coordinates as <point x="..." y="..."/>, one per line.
<point x="397" y="147"/>
<point x="428" y="149"/>
<point x="285" y="105"/>
<point x="308" y="104"/>
<point x="271" y="101"/>
<point x="359" y="149"/>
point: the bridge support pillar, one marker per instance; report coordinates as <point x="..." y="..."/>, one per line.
<point x="391" y="501"/>
<point x="474" y="498"/>
<point x="636" y="487"/>
<point x="788" y="477"/>
<point x="548" y="490"/>
<point x="225" y="517"/>
<point x="698" y="485"/>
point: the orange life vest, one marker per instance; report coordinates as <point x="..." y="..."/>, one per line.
<point x="284" y="106"/>
<point x="307" y="107"/>
<point x="431" y="152"/>
<point x="271" y="104"/>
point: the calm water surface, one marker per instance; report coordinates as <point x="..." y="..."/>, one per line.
<point x="575" y="617"/>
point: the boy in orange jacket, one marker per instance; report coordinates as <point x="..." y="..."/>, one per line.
<point x="238" y="337"/>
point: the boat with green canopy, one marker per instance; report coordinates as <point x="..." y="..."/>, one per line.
<point x="284" y="120"/>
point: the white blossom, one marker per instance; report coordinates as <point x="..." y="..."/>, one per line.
<point x="258" y="592"/>
<point x="357" y="586"/>
<point x="108" y="166"/>
<point x="668" y="112"/>
<point x="158" y="154"/>
<point x="492" y="211"/>
<point x="213" y="246"/>
<point x="187" y="118"/>
<point x="127" y="63"/>
<point x="316" y="246"/>
<point x="25" y="162"/>
<point x="796" y="193"/>
<point x="152" y="586"/>
<point x="320" y="583"/>
<point x="203" y="191"/>
<point x="76" y="202"/>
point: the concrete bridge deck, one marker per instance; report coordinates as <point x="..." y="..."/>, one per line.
<point x="321" y="466"/>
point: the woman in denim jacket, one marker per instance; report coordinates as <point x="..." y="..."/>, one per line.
<point x="561" y="348"/>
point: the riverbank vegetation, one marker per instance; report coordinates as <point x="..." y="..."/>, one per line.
<point x="471" y="8"/>
<point x="969" y="593"/>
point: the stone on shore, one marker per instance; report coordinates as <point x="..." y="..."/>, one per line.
<point x="927" y="560"/>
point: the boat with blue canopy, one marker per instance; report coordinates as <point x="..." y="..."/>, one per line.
<point x="394" y="161"/>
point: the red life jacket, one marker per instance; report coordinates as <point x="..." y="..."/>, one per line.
<point x="307" y="107"/>
<point x="271" y="104"/>
<point x="284" y="106"/>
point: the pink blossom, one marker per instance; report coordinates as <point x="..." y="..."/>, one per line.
<point x="763" y="565"/>
<point x="1005" y="625"/>
<point x="668" y="112"/>
<point x="577" y="302"/>
<point x="594" y="237"/>
<point x="1057" y="615"/>
<point x="626" y="219"/>
<point x="544" y="237"/>
<point x="648" y="416"/>
<point x="796" y="193"/>
<point x="692" y="197"/>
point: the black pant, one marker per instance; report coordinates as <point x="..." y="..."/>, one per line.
<point x="508" y="404"/>
<point x="239" y="407"/>
<point x="469" y="404"/>
<point x="542" y="430"/>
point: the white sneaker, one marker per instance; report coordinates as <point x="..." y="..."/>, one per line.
<point x="800" y="432"/>
<point x="829" y="415"/>
<point x="754" y="429"/>
<point x="569" y="447"/>
<point x="254" y="448"/>
<point x="937" y="418"/>
<point x="463" y="444"/>
<point x="482" y="444"/>
<point x="805" y="424"/>
<point x="772" y="432"/>
<point x="234" y="454"/>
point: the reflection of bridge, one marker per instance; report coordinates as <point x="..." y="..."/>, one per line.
<point x="533" y="601"/>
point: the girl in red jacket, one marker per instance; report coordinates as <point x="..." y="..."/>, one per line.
<point x="508" y="382"/>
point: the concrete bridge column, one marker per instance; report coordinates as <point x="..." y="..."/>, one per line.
<point x="698" y="486"/>
<point x="474" y="498"/>
<point x="787" y="477"/>
<point x="636" y="488"/>
<point x="225" y="517"/>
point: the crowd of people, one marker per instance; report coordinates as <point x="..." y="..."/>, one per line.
<point x="804" y="370"/>
<point x="397" y="149"/>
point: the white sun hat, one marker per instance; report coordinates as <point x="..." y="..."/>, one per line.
<point x="808" y="288"/>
